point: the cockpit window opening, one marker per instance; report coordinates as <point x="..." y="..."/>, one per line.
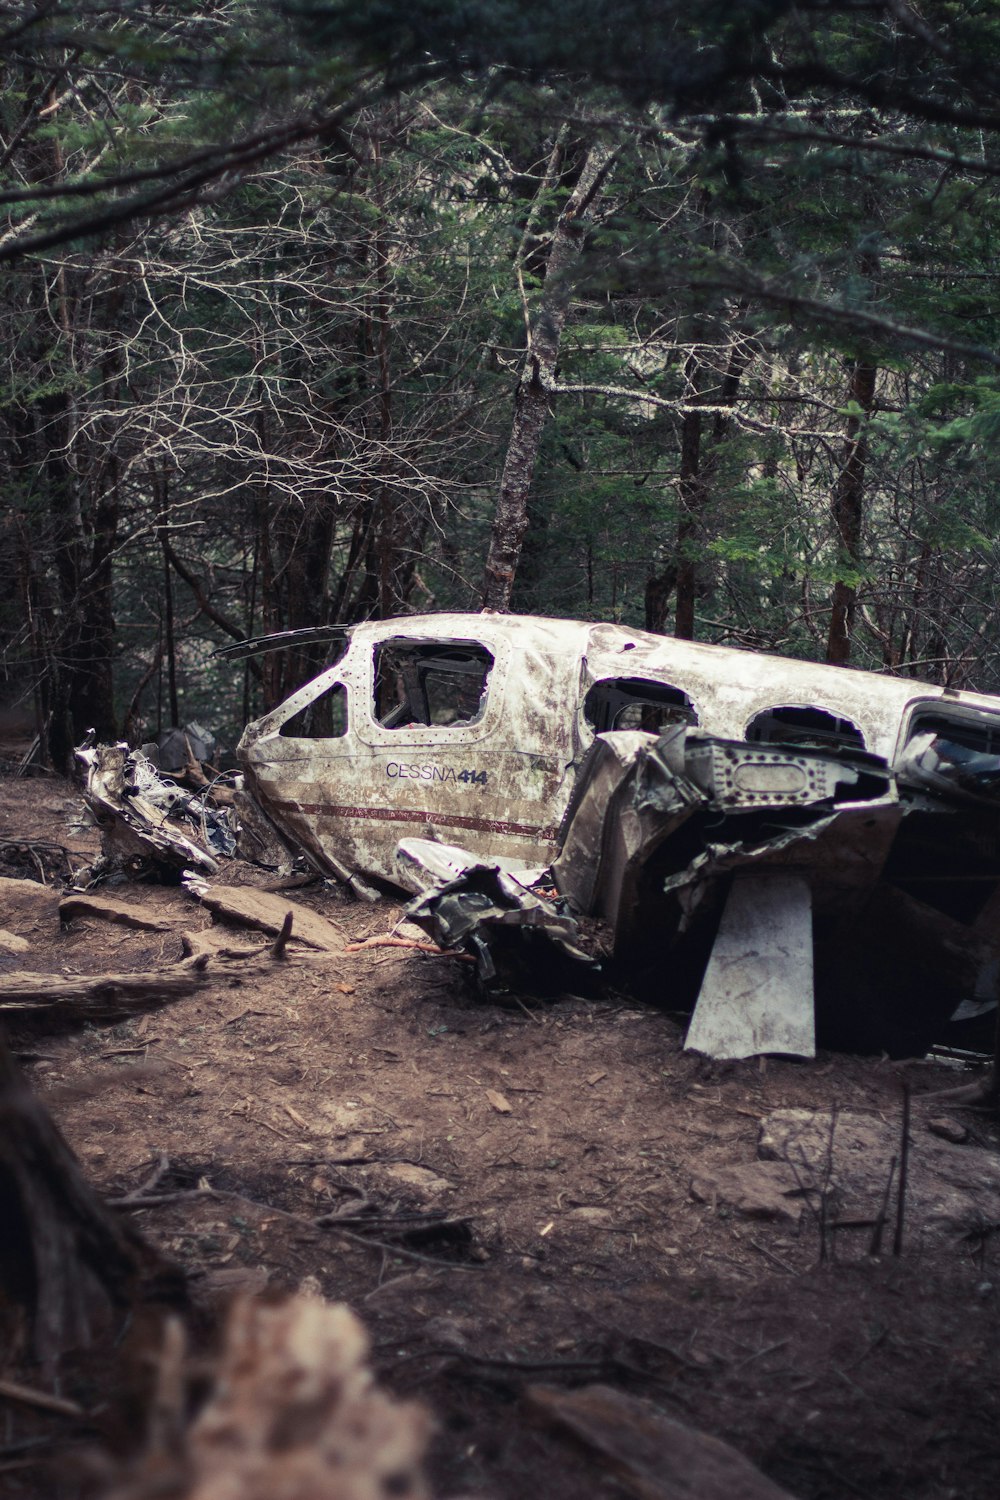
<point x="955" y="751"/>
<point x="637" y="703"/>
<point x="423" y="685"/>
<point x="325" y="718"/>
<point x="808" y="728"/>
<point x="968" y="729"/>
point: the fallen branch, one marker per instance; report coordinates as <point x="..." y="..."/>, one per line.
<point x="153" y="1181"/>
<point x="981" y="1095"/>
<point x="415" y="943"/>
<point x="782" y="1265"/>
<point x="39" y="850"/>
<point x="437" y="1261"/>
<point x="160" y="1200"/>
<point x="101" y="993"/>
<point x="139" y="1200"/>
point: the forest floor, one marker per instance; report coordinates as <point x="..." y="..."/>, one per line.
<point x="587" y="1203"/>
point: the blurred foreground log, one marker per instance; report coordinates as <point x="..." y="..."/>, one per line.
<point x="289" y="1409"/>
<point x="652" y="1455"/>
<point x="70" y="1268"/>
<point x="293" y="1411"/>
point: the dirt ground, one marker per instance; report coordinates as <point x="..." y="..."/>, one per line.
<point x="530" y="1192"/>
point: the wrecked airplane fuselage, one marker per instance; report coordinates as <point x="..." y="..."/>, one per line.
<point x="755" y="829"/>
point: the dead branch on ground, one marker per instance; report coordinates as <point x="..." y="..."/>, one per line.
<point x="101" y="994"/>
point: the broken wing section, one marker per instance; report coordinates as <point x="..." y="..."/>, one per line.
<point x="650" y="814"/>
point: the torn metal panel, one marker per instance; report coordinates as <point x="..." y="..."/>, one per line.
<point x="467" y="902"/>
<point x="843" y="851"/>
<point x="651" y="817"/>
<point x="757" y="994"/>
<point x="941" y="763"/>
<point x="138" y="815"/>
<point x="425" y="864"/>
<point x="632" y="794"/>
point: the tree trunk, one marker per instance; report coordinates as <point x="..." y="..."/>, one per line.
<point x="531" y="398"/>
<point x="659" y="587"/>
<point x="168" y="635"/>
<point x="697" y="462"/>
<point x="692" y="495"/>
<point x="847" y="509"/>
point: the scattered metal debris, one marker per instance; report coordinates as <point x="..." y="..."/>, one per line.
<point x="748" y="825"/>
<point x="141" y="817"/>
<point x="469" y="901"/>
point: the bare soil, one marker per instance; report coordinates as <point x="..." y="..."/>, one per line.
<point x="518" y="1176"/>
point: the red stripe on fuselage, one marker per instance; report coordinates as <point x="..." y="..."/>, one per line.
<point x="406" y="815"/>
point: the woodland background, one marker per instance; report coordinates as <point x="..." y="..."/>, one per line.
<point x="684" y="316"/>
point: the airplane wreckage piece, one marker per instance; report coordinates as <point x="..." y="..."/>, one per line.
<point x="149" y="825"/>
<point x="768" y="838"/>
<point x="475" y="903"/>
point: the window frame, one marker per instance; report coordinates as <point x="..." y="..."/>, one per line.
<point x="833" y="746"/>
<point x="367" y="726"/>
<point x="651" y="682"/>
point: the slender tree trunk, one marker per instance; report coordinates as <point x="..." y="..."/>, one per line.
<point x="389" y="599"/>
<point x="132" y="722"/>
<point x="531" y="398"/>
<point x="698" y="460"/>
<point x="169" y="639"/>
<point x="847" y="509"/>
<point x="692" y="496"/>
<point x="659" y="587"/>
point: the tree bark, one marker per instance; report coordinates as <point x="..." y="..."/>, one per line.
<point x="697" y="461"/>
<point x="531" y="398"/>
<point x="67" y="1263"/>
<point x="659" y="587"/>
<point x="692" y="495"/>
<point x="847" y="509"/>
